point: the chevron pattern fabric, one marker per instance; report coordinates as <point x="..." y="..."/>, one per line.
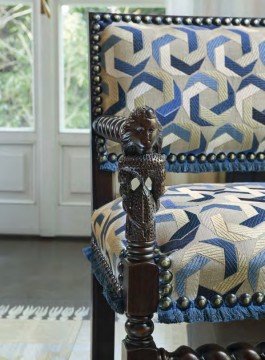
<point x="214" y="235"/>
<point x="206" y="83"/>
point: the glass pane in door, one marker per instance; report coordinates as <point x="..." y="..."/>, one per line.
<point x="75" y="109"/>
<point x="16" y="59"/>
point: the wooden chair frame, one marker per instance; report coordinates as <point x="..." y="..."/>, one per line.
<point x="140" y="272"/>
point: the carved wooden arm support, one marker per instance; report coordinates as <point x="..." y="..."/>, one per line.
<point x="141" y="177"/>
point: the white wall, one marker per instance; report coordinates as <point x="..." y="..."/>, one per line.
<point x="240" y="8"/>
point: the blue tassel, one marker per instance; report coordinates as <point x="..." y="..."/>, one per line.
<point x="198" y="167"/>
<point x="109" y="166"/>
<point x="227" y="166"/>
<point x="210" y="314"/>
<point x="115" y="301"/>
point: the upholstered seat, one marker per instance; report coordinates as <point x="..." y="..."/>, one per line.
<point x="214" y="235"/>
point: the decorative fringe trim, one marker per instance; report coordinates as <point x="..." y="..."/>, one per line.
<point x="109" y="166"/>
<point x="114" y="299"/>
<point x="210" y="314"/>
<point x="197" y="167"/>
<point x="174" y="314"/>
<point x="21" y="312"/>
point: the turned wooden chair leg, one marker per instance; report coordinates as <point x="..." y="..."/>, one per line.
<point x="139" y="344"/>
<point x="103" y="326"/>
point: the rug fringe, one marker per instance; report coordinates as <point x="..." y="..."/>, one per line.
<point x="62" y="313"/>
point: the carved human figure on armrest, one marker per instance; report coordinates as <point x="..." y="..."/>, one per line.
<point x="141" y="133"/>
<point x="141" y="173"/>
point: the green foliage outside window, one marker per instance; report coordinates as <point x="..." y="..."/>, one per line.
<point x="76" y="61"/>
<point x="16" y="64"/>
<point x="15" y="67"/>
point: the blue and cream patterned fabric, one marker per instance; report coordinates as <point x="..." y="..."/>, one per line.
<point x="206" y="83"/>
<point x="214" y="235"/>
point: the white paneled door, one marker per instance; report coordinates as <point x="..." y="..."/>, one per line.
<point x="19" y="206"/>
<point x="45" y="186"/>
<point x="44" y="146"/>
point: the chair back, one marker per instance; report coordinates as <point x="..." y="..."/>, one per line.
<point x="204" y="77"/>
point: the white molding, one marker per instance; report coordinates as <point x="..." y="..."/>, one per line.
<point x="4" y="130"/>
<point x="74" y="204"/>
<point x="75" y="131"/>
<point x="75" y="189"/>
<point x="17" y="182"/>
<point x="47" y="127"/>
<point x="15" y="220"/>
<point x="61" y="69"/>
<point x="75" y="140"/>
<point x="74" y="221"/>
<point x="16" y="2"/>
<point x="14" y="138"/>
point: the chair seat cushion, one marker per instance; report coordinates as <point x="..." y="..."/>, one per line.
<point x="214" y="236"/>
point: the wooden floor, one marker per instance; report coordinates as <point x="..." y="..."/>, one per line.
<point x="54" y="273"/>
<point x="40" y="271"/>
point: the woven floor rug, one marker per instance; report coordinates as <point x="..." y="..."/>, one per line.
<point x="43" y="333"/>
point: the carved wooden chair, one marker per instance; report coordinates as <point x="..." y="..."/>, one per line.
<point x="188" y="252"/>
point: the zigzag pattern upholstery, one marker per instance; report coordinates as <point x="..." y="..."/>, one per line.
<point x="206" y="83"/>
<point x="214" y="235"/>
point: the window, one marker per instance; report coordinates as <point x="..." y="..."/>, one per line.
<point x="75" y="114"/>
<point x="16" y="59"/>
<point x="45" y="141"/>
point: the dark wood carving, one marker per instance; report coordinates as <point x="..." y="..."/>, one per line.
<point x="141" y="133"/>
<point x="237" y="351"/>
<point x="103" y="317"/>
<point x="141" y="177"/>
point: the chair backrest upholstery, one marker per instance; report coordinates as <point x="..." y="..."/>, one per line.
<point x="205" y="78"/>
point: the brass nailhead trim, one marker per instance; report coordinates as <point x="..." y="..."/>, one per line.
<point x="97" y="81"/>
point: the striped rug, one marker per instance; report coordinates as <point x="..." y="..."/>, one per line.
<point x="44" y="333"/>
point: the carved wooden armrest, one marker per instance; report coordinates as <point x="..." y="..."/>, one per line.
<point x="123" y="129"/>
<point x="109" y="127"/>
<point x="141" y="177"/>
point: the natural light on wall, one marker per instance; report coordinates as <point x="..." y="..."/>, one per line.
<point x="16" y="67"/>
<point x="75" y="114"/>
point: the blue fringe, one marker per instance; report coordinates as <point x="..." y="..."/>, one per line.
<point x="175" y="314"/>
<point x="210" y="314"/>
<point x="109" y="166"/>
<point x="115" y="301"/>
<point x="197" y="167"/>
<point x="228" y="166"/>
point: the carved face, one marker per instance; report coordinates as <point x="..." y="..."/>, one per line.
<point x="142" y="132"/>
<point x="144" y="135"/>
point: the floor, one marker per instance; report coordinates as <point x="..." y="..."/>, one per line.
<point x="53" y="275"/>
<point x="39" y="275"/>
<point x="44" y="272"/>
